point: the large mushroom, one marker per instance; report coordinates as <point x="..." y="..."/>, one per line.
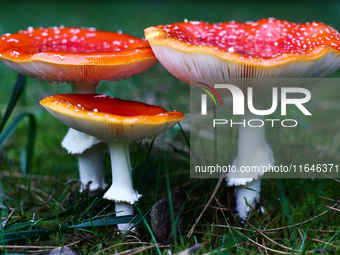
<point x="82" y="56"/>
<point x="116" y="121"/>
<point x="229" y="51"/>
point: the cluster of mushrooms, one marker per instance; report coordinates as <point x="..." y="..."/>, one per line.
<point x="228" y="52"/>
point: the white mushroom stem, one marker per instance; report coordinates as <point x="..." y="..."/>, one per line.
<point x="90" y="157"/>
<point x="121" y="191"/>
<point x="247" y="195"/>
<point x="122" y="209"/>
<point x="91" y="168"/>
<point x="253" y="153"/>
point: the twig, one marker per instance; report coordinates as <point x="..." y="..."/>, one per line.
<point x="219" y="208"/>
<point x="260" y="232"/>
<point x="26" y="247"/>
<point x="298" y="224"/>
<point x="335" y="209"/>
<point x="5" y="208"/>
<point x="192" y="209"/>
<point x="330" y="199"/>
<point x="206" y="205"/>
<point x="3" y="224"/>
<point x="330" y="177"/>
<point x="202" y="233"/>
<point x="120" y="244"/>
<point x="36" y="190"/>
<point x="48" y="199"/>
<point x="139" y="250"/>
<point x="227" y="248"/>
<point x="322" y="231"/>
<point x="71" y="190"/>
<point x="134" y="237"/>
<point x="32" y="176"/>
<point x="239" y="228"/>
<point x="321" y="241"/>
<point x="270" y="222"/>
<point x="262" y="237"/>
<point x="331" y="216"/>
<point x="264" y="247"/>
<point x="79" y="241"/>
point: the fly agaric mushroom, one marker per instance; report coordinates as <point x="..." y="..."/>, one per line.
<point x="226" y="52"/>
<point x="82" y="56"/>
<point x="116" y="121"/>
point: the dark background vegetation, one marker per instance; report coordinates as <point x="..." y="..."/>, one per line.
<point x="162" y="165"/>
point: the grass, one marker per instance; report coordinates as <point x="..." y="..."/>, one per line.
<point x="44" y="208"/>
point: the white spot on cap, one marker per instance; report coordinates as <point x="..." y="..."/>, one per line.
<point x="104" y="96"/>
<point x="61" y="57"/>
<point x="95" y="110"/>
<point x="231" y="49"/>
<point x="195" y="22"/>
<point x="185" y="20"/>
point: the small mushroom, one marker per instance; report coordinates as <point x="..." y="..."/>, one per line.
<point x="232" y="51"/>
<point x="116" y="121"/>
<point x="160" y="215"/>
<point x="82" y="56"/>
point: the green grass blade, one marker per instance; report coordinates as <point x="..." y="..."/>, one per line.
<point x="150" y="231"/>
<point x="78" y="207"/>
<point x="179" y="124"/>
<point x="17" y="91"/>
<point x="30" y="143"/>
<point x="304" y="239"/>
<point x="170" y="204"/>
<point x="10" y="129"/>
<point x="21" y="235"/>
<point x="31" y="136"/>
<point x="150" y="148"/>
<point x="17" y="226"/>
<point x="109" y="221"/>
<point x="328" y="242"/>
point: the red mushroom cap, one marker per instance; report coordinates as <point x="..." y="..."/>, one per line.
<point x="74" y="54"/>
<point x="107" y="117"/>
<point x="264" y="48"/>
